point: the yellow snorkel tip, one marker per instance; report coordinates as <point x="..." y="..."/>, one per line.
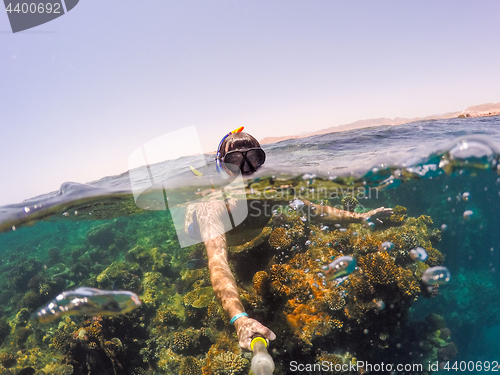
<point x="257" y="339"/>
<point x="238" y="130"/>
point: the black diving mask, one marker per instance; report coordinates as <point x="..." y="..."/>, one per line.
<point x="247" y="160"/>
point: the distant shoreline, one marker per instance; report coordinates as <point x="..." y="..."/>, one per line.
<point x="488" y="109"/>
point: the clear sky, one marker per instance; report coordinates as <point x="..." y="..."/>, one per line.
<point x="79" y="94"/>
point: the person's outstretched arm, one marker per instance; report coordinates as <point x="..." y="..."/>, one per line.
<point x="335" y="215"/>
<point x="223" y="282"/>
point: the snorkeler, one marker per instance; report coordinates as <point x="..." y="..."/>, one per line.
<point x="237" y="152"/>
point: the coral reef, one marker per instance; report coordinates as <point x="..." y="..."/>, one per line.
<point x="181" y="328"/>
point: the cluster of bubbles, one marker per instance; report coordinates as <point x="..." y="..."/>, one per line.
<point x="438" y="275"/>
<point x="418" y="254"/>
<point x="296" y="203"/>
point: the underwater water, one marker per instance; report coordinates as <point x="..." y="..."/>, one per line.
<point x="440" y="177"/>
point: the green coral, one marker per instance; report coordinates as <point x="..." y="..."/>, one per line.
<point x="399" y="215"/>
<point x="229" y="364"/>
<point x="349" y="203"/>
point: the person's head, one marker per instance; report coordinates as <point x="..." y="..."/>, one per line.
<point x="240" y="151"/>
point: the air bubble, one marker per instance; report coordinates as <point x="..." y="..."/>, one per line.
<point x="386" y="246"/>
<point x="468" y="214"/>
<point x="436" y="275"/>
<point x="472" y="148"/>
<point x="380" y="305"/>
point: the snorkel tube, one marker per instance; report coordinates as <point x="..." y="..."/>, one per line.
<point x="218" y="159"/>
<point x="262" y="363"/>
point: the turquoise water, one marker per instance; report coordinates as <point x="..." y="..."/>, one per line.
<point x="97" y="236"/>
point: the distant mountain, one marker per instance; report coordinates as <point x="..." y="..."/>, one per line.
<point x="488" y="109"/>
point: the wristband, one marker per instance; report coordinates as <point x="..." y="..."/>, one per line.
<point x="237" y="316"/>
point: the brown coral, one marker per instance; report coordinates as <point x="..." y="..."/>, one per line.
<point x="7" y="360"/>
<point x="279" y="239"/>
<point x="215" y="312"/>
<point x="190" y="366"/>
<point x="181" y="341"/>
<point x="448" y="352"/>
<point x="62" y="341"/>
<point x="165" y="315"/>
<point x="334" y="300"/>
<point x="229" y="364"/>
<point x="260" y="282"/>
<point x="379" y="268"/>
<point x="435" y="258"/>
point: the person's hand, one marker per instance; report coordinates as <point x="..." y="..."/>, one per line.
<point x="378" y="215"/>
<point x="248" y="328"/>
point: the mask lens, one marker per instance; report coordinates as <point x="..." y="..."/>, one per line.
<point x="256" y="157"/>
<point x="235" y="158"/>
<point x="232" y="167"/>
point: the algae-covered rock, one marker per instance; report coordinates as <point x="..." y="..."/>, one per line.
<point x="117" y="270"/>
<point x="154" y="259"/>
<point x="199" y="298"/>
<point x="150" y="282"/>
<point x="168" y="361"/>
<point x="57" y="369"/>
<point x="195" y="278"/>
<point x="123" y="275"/>
<point x="101" y="236"/>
